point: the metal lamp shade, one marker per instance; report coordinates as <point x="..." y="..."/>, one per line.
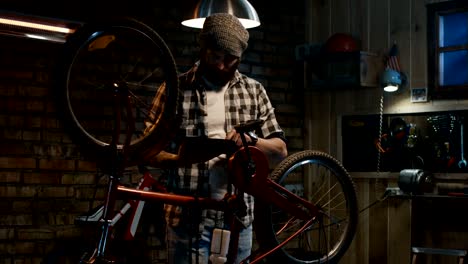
<point x="391" y="80"/>
<point x="242" y="9"/>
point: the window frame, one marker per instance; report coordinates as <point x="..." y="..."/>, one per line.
<point x="434" y="11"/>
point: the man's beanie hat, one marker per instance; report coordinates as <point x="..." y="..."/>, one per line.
<point x="224" y="31"/>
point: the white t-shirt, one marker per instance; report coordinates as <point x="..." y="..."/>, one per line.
<point x="216" y="120"/>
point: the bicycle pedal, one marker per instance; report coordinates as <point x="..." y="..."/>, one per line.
<point x="94" y="215"/>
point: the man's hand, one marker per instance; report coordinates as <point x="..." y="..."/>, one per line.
<point x="236" y="138"/>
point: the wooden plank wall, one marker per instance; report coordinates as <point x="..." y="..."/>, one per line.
<point x="384" y="232"/>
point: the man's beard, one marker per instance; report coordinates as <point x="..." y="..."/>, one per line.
<point x="216" y="76"/>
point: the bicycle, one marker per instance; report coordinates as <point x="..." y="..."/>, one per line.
<point x="316" y="224"/>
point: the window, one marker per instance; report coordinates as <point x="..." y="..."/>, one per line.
<point x="448" y="49"/>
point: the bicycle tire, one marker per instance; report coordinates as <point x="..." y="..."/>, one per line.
<point x="327" y="240"/>
<point x="121" y="57"/>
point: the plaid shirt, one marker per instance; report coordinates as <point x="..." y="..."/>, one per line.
<point x="245" y="99"/>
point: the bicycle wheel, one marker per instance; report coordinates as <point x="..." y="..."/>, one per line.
<point x="322" y="180"/>
<point x="110" y="74"/>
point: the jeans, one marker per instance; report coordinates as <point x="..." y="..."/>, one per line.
<point x="178" y="245"/>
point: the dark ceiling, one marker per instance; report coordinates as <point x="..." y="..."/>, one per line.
<point x="86" y="9"/>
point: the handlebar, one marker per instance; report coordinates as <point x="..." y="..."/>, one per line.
<point x="200" y="149"/>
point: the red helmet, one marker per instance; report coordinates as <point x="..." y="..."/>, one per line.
<point x="341" y="42"/>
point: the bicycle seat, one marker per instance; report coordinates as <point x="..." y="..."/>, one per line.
<point x="248" y="126"/>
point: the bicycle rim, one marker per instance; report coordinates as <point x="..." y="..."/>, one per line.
<point x="321" y="179"/>
<point x="104" y="65"/>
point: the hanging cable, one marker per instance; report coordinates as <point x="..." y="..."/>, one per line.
<point x="379" y="139"/>
<point x="380" y="132"/>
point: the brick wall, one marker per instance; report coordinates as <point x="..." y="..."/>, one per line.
<point x="45" y="177"/>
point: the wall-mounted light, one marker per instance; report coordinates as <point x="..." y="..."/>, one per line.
<point x="23" y="25"/>
<point x="391" y="80"/>
<point x="242" y="9"/>
<point x="37" y="26"/>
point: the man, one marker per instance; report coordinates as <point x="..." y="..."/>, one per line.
<point x="216" y="97"/>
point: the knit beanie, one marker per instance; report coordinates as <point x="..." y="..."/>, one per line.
<point x="224" y="31"/>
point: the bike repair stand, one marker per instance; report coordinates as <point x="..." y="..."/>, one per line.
<point x="118" y="160"/>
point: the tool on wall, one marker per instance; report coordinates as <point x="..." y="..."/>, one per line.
<point x="462" y="163"/>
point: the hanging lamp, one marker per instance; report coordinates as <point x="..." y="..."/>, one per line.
<point x="242" y="9"/>
<point x="391" y="80"/>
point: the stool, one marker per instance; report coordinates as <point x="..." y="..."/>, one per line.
<point x="460" y="253"/>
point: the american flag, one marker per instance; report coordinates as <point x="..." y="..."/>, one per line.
<point x="392" y="60"/>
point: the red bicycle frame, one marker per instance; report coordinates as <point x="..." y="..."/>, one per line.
<point x="249" y="171"/>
